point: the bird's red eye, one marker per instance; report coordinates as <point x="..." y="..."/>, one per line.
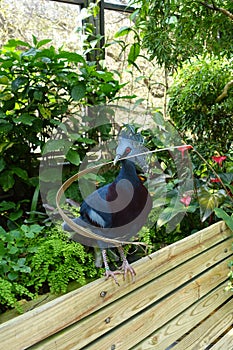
<point x="127" y="150"/>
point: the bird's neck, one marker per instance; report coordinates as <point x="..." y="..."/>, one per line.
<point x="128" y="171"/>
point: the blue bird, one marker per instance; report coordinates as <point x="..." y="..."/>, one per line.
<point x="117" y="210"/>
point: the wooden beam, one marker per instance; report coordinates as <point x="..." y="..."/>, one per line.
<point x="163" y="271"/>
<point x="179" y="327"/>
<point x="125" y="308"/>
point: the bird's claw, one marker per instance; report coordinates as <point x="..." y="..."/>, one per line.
<point x="109" y="273"/>
<point x="127" y="267"/>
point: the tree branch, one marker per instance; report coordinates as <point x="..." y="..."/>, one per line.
<point x="225" y="90"/>
<point x="218" y="9"/>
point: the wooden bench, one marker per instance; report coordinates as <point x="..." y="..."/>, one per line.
<point x="177" y="302"/>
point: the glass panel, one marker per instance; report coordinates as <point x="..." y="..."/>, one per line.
<point x="144" y="79"/>
<point x="43" y="18"/>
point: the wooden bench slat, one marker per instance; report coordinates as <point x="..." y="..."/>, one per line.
<point x="132" y="303"/>
<point x="141" y="326"/>
<point x="225" y="343"/>
<point x="183" y="323"/>
<point x="209" y="330"/>
<point x="22" y="332"/>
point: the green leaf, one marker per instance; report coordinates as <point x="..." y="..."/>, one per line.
<point x="7" y="180"/>
<point x="49" y="175"/>
<point x="25" y="269"/>
<point x="12" y="276"/>
<point x="209" y="200"/>
<point x="38" y="95"/>
<point x="30" y="234"/>
<point x="227" y="178"/>
<point x="15" y="43"/>
<point x="5" y="145"/>
<point x="85" y="140"/>
<point x="34" y="39"/>
<point x="27" y="119"/>
<point x="133" y="53"/>
<point x="94" y="177"/>
<point x="3" y="250"/>
<point x="223" y="215"/>
<point x="5" y="126"/>
<point x="2" y="232"/>
<point x="78" y="91"/>
<point x="73" y="157"/>
<point x="6" y="205"/>
<point x="169" y="213"/>
<point x="56" y="145"/>
<point x="13" y="250"/>
<point x="36" y="228"/>
<point x="138" y="102"/>
<point x="18" y="82"/>
<point x="21" y="261"/>
<point x="122" y="31"/>
<point x="43" y="42"/>
<point x="71" y="56"/>
<point x="2" y="164"/>
<point x="30" y="231"/>
<point x="20" y="172"/>
<point x="45" y="112"/>
<point x="16" y="215"/>
<point x="107" y="88"/>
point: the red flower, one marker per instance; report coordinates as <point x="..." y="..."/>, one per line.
<point x="184" y="148"/>
<point x="186" y="200"/>
<point x="215" y="179"/>
<point x="219" y="159"/>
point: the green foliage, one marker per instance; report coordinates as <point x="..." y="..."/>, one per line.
<point x="176" y="30"/>
<point x="35" y="260"/>
<point x="14" y="247"/>
<point x="202" y="120"/>
<point x="39" y="88"/>
<point x="57" y="262"/>
<point x="11" y="292"/>
<point x="224" y="216"/>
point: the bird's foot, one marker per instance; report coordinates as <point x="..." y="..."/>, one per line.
<point x="109" y="273"/>
<point x="126" y="267"/>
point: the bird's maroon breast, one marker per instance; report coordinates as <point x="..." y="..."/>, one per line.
<point x="136" y="211"/>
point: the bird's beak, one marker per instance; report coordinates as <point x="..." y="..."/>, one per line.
<point x="118" y="156"/>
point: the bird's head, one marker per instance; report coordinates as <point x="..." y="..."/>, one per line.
<point x="129" y="143"/>
<point x="124" y="149"/>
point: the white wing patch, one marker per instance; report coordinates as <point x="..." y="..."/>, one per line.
<point x="96" y="218"/>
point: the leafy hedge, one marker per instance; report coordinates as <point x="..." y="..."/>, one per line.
<point x="195" y="106"/>
<point x="39" y="88"/>
<point x="35" y="260"/>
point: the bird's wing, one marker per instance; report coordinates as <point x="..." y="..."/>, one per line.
<point x="95" y="209"/>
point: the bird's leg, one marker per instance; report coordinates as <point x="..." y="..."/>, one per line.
<point x="125" y="265"/>
<point x="108" y="272"/>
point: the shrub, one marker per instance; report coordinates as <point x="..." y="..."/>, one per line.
<point x="58" y="261"/>
<point x="39" y="88"/>
<point x="35" y="260"/>
<point x="202" y="118"/>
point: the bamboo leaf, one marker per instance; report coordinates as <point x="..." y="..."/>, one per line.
<point x="122" y="31"/>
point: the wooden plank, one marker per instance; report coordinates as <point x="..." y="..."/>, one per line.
<point x="86" y="331"/>
<point x="225" y="343"/>
<point x="135" y="330"/>
<point x="183" y="323"/>
<point x="209" y="330"/>
<point x="48" y="319"/>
